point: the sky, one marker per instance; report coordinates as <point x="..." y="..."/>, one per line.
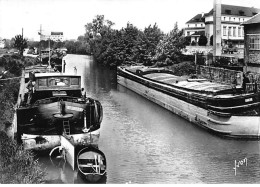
<point x="70" y="16"/>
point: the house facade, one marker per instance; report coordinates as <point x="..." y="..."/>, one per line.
<point x="2" y="43"/>
<point x="55" y="36"/>
<point x="232" y="30"/>
<point x="231" y="19"/>
<point x="252" y="44"/>
<point x="195" y="25"/>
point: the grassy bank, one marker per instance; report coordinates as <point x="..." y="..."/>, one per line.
<point x="16" y="165"/>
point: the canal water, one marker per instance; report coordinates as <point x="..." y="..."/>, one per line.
<point x="144" y="143"/>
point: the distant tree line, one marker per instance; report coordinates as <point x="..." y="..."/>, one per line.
<point x="79" y="46"/>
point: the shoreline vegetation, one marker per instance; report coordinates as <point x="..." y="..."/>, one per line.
<point x="109" y="47"/>
<point x="17" y="166"/>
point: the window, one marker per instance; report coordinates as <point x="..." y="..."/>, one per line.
<point x="224" y="31"/>
<point x="234" y="19"/>
<point x="229" y="18"/>
<point x="241" y="13"/>
<point x="188" y="33"/>
<point x="228" y="11"/>
<point x="195" y="25"/>
<point x="224" y="18"/>
<point x="234" y="31"/>
<point x="239" y="19"/>
<point x="42" y="82"/>
<point x="188" y="25"/>
<point x="58" y="81"/>
<point x="74" y="81"/>
<point x="239" y="31"/>
<point x="229" y="31"/>
<point x="254" y="42"/>
<point x="201" y="25"/>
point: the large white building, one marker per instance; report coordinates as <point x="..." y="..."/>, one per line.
<point x="2" y="43"/>
<point x="55" y="36"/>
<point x="232" y="29"/>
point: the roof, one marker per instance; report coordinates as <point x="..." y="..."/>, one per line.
<point x="52" y="75"/>
<point x="237" y="10"/>
<point x="198" y="33"/>
<point x="255" y="19"/>
<point x="56" y="33"/>
<point x="197" y="18"/>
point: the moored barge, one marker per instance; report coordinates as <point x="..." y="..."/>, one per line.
<point x="55" y="108"/>
<point x="220" y="108"/>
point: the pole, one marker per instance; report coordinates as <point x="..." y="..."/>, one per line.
<point x="40" y="47"/>
<point x="49" y="55"/>
<point x="217" y="29"/>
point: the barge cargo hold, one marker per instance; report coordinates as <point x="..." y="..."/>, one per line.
<point x="213" y="106"/>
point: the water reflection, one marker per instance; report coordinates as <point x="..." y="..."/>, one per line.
<point x="60" y="172"/>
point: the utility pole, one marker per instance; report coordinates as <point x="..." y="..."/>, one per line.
<point x="217" y="29"/>
<point x="40" y="47"/>
<point x="49" y="54"/>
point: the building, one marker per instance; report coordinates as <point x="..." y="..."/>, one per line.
<point x="196" y="35"/>
<point x="2" y="44"/>
<point x="195" y="25"/>
<point x="55" y="36"/>
<point x="252" y="44"/>
<point x="232" y="17"/>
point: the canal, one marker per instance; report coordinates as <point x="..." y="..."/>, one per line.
<point x="144" y="143"/>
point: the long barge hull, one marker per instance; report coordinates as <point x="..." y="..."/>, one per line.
<point x="235" y="126"/>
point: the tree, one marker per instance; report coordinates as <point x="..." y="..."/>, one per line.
<point x="193" y="43"/>
<point x="187" y="40"/>
<point x="20" y="43"/>
<point x="170" y="47"/>
<point x="202" y="40"/>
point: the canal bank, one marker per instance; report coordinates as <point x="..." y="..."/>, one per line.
<point x="147" y="144"/>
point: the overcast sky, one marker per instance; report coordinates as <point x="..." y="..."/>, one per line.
<point x="70" y="16"/>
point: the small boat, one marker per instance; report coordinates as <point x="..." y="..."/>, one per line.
<point x="91" y="163"/>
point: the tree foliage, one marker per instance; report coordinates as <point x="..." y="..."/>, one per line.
<point x="20" y="43"/>
<point x="202" y="40"/>
<point x="130" y="45"/>
<point x="169" y="48"/>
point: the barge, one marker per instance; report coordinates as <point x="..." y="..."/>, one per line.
<point x="219" y="108"/>
<point x="56" y="107"/>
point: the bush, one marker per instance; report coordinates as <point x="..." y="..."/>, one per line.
<point x="184" y="68"/>
<point x="18" y="166"/>
<point x="202" y="40"/>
